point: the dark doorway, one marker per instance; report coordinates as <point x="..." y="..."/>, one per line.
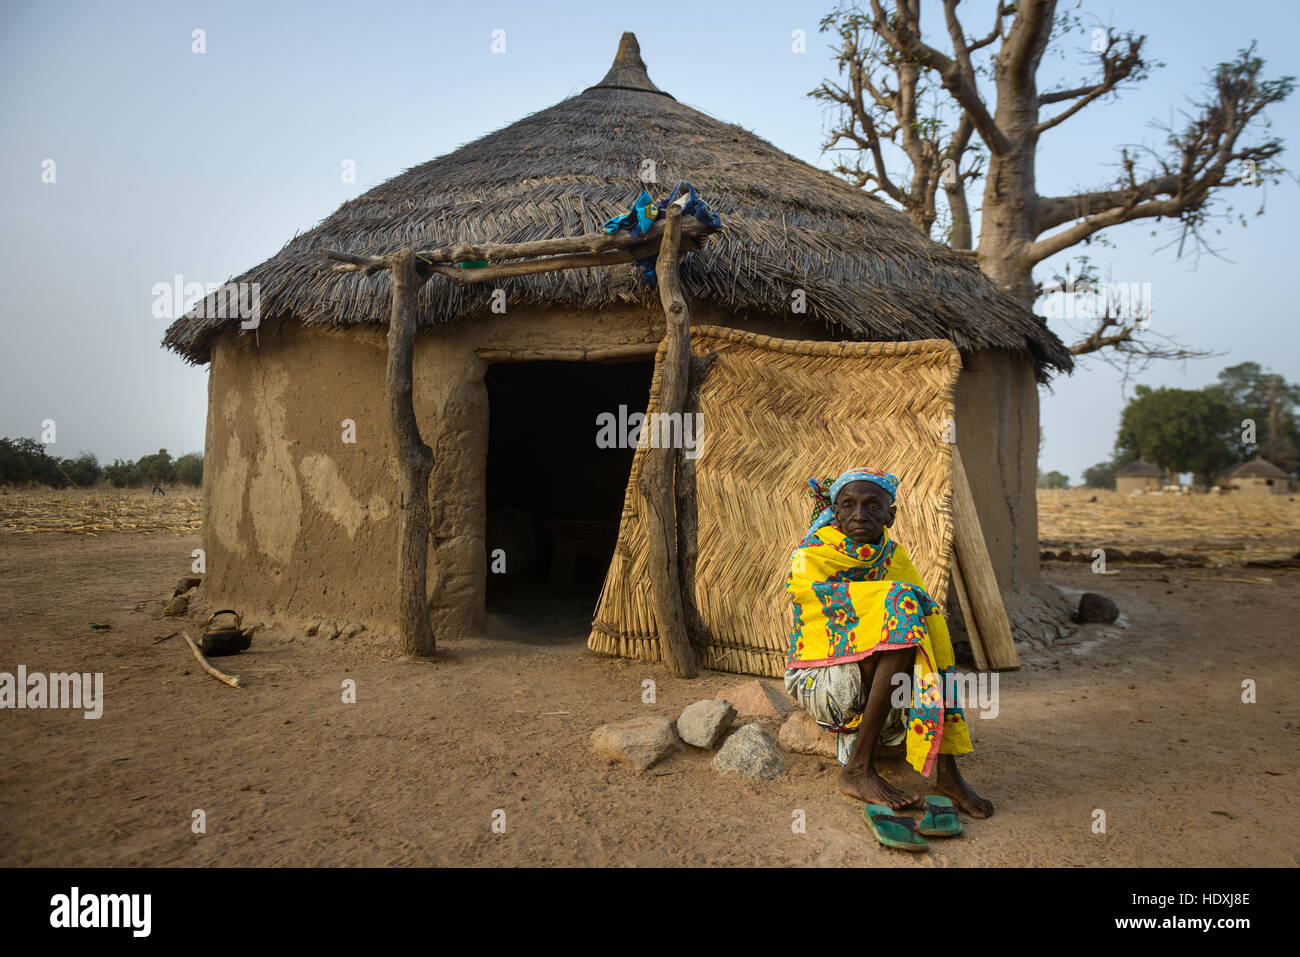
<point x="554" y="495"/>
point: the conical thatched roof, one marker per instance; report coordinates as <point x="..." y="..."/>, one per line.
<point x="866" y="271"/>
<point x="1141" y="469"/>
<point x="1256" y="468"/>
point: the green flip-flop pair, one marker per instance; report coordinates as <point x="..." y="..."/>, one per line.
<point x="892" y="830"/>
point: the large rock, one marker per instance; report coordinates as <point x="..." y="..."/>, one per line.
<point x="1094" y="608"/>
<point x="803" y="735"/>
<point x="758" y="699"/>
<point x="704" y="723"/>
<point x="750" y="752"/>
<point x="640" y="742"/>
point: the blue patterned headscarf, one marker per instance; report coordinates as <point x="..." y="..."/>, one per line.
<point x="824" y="492"/>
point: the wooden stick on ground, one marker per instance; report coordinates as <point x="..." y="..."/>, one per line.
<point x="656" y="482"/>
<point x="977" y="573"/>
<point x="232" y="680"/>
<point x="1239" y="581"/>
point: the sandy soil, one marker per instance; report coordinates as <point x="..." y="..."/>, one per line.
<point x="1145" y="723"/>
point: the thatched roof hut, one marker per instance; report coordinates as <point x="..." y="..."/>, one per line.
<point x="293" y="499"/>
<point x="1140" y="475"/>
<point x="1258" y="476"/>
<point x="866" y="271"/>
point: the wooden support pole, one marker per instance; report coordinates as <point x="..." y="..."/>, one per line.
<point x="968" y="615"/>
<point x="627" y="353"/>
<point x="414" y="463"/>
<point x="977" y="573"/>
<point x="596" y="249"/>
<point x="656" y="482"/>
<point x="688" y="509"/>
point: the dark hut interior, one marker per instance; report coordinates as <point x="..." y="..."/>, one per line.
<point x="554" y="496"/>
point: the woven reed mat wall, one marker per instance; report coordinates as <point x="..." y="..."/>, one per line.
<point x="775" y="413"/>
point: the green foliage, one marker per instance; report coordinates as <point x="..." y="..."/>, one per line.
<point x="122" y="474"/>
<point x="1178" y="430"/>
<point x="1053" y="479"/>
<point x="1101" y="475"/>
<point x="1269" y="401"/>
<point x="84" y="470"/>
<point x="189" y="469"/>
<point x="24" y="461"/>
<point x="155" y="469"/>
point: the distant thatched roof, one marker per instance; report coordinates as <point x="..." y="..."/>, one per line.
<point x="866" y="271"/>
<point x="1140" y="469"/>
<point x="1256" y="468"/>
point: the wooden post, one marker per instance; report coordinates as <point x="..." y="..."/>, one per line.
<point x="688" y="509"/>
<point x="968" y="615"/>
<point x="414" y="463"/>
<point x="656" y="482"/>
<point x="977" y="573"/>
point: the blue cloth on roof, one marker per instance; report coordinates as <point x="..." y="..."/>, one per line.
<point x="645" y="211"/>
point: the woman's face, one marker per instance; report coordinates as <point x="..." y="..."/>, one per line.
<point x="862" y="512"/>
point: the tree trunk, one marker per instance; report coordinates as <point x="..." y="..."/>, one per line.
<point x="656" y="482"/>
<point x="414" y="463"/>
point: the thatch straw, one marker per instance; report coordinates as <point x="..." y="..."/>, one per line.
<point x="867" y="273"/>
<point x="777" y="412"/>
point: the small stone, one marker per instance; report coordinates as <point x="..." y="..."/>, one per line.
<point x="640" y="742"/>
<point x="177" y="607"/>
<point x="803" y="735"/>
<point x="760" y="700"/>
<point x="351" y="629"/>
<point x="313" y="628"/>
<point x="750" y="752"/>
<point x="329" y="630"/>
<point x="704" y="723"/>
<point x="1094" y="608"/>
<point x="1047" y="556"/>
<point x="186" y="583"/>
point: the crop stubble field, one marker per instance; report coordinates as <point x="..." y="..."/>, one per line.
<point x="91" y="511"/>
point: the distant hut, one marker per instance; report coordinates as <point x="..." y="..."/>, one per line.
<point x="299" y="478"/>
<point x="1256" y="477"/>
<point x="1140" y="476"/>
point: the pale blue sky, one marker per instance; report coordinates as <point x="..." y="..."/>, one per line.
<point x="171" y="162"/>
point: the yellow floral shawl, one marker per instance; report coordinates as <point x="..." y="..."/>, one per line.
<point x="852" y="600"/>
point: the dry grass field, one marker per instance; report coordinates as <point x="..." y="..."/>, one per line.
<point x="90" y="511"/>
<point x="1226" y="529"/>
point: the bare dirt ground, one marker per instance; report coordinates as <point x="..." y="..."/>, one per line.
<point x="1145" y="723"/>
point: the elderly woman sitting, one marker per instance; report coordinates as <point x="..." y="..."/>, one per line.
<point x="861" y="616"/>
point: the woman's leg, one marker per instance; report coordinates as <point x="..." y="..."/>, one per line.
<point x="859" y="777"/>
<point x="948" y="780"/>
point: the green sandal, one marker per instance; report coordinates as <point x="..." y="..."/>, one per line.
<point x="940" y="818"/>
<point x="892" y="830"/>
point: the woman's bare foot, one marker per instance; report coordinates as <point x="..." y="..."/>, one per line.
<point x="948" y="781"/>
<point x="866" y="785"/>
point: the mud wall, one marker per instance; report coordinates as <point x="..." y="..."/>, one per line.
<point x="300" y="507"/>
<point x="997" y="431"/>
